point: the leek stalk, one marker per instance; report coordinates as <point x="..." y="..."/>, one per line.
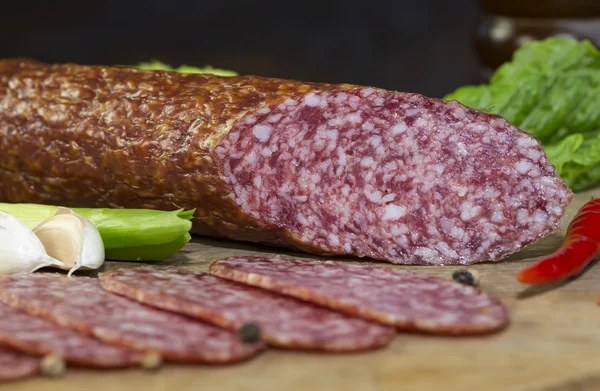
<point x="158" y="252"/>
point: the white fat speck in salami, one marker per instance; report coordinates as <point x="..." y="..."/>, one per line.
<point x="40" y="337"/>
<point x="404" y="299"/>
<point x="15" y="365"/>
<point x="367" y="165"/>
<point x="284" y="321"/>
<point x="81" y="303"/>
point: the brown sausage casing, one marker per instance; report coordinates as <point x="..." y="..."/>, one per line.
<point x="112" y="137"/>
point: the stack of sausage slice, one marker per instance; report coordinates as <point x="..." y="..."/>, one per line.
<point x="140" y="316"/>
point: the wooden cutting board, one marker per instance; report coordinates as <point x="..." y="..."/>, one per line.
<point x="552" y="344"/>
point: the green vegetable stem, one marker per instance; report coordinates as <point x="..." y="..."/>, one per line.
<point x="159" y="66"/>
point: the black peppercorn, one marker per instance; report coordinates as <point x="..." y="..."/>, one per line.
<point x="466" y="277"/>
<point x="249" y="332"/>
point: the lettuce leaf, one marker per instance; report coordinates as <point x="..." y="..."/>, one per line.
<point x="159" y="66"/>
<point x="550" y="89"/>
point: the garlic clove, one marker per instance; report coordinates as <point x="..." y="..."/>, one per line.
<point x="20" y="249"/>
<point x="62" y="237"/>
<point x="72" y="239"/>
<point x="92" y="251"/>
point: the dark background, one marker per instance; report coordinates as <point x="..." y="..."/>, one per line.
<point x="419" y="46"/>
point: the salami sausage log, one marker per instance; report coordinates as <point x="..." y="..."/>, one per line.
<point x="407" y="300"/>
<point x="15" y="365"/>
<point x="283" y="321"/>
<point x="40" y="337"/>
<point x="328" y="169"/>
<point x="80" y="303"/>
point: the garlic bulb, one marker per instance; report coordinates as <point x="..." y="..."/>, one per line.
<point x="72" y="239"/>
<point x="20" y="248"/>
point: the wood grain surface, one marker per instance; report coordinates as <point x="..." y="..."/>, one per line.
<point x="552" y="343"/>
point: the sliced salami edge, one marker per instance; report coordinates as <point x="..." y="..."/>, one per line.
<point x="24" y="365"/>
<point x="223" y="270"/>
<point x="128" y="358"/>
<point x="197" y="311"/>
<point x="115" y="338"/>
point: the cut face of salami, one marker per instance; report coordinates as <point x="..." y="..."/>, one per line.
<point x="80" y="303"/>
<point x="407" y="300"/>
<point x="283" y="321"/>
<point x="40" y="337"/>
<point x="393" y="176"/>
<point x="15" y="365"/>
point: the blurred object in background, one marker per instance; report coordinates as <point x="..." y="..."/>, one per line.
<point x="419" y="46"/>
<point x="506" y="25"/>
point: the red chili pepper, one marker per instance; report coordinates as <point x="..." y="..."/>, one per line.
<point x="580" y="247"/>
